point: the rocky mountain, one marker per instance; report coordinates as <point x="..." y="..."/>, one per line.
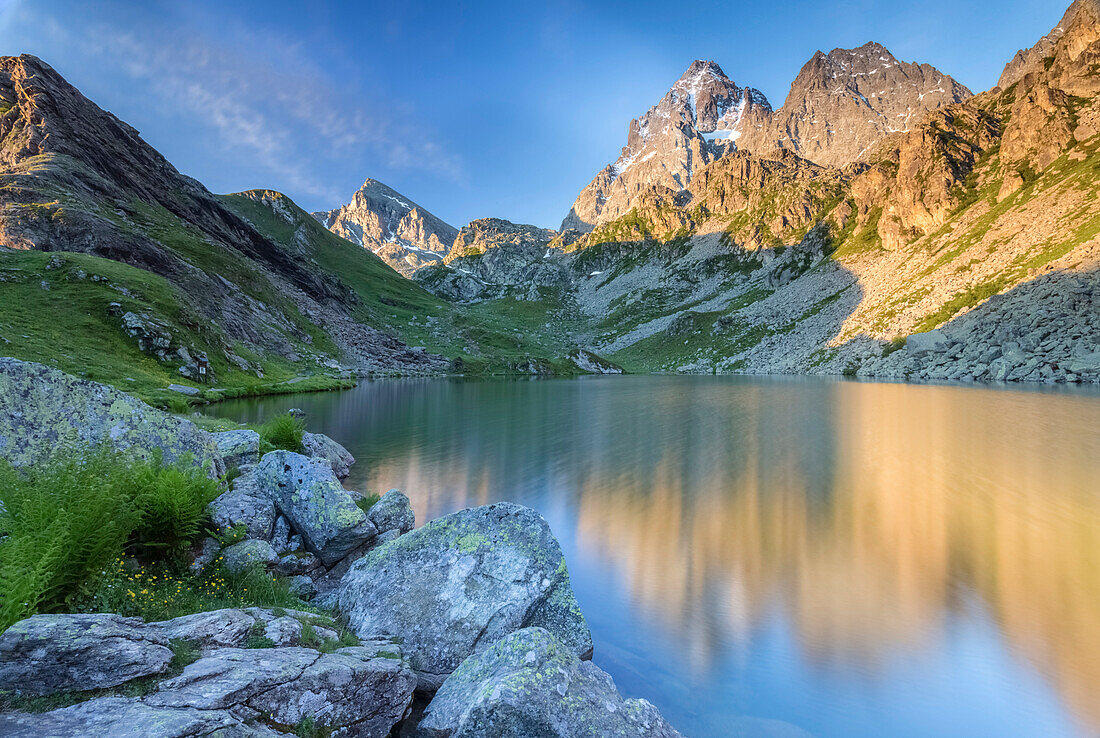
<point x="842" y="103"/>
<point x="77" y="179"/>
<point x="400" y="232"/>
<point x="964" y="246"/>
<point x="702" y="114"/>
<point x="1029" y="60"/>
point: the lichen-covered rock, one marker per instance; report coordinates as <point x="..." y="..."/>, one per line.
<point x="320" y="446"/>
<point x="225" y="628"/>
<point x="530" y="685"/>
<point x="308" y="494"/>
<point x="236" y="507"/>
<point x="44" y="411"/>
<point x="392" y="512"/>
<point x="454" y="586"/>
<point x="45" y="654"/>
<point x="126" y="717"/>
<point x="238" y="447"/>
<point x="249" y="553"/>
<point x="360" y="688"/>
<point x="294" y="564"/>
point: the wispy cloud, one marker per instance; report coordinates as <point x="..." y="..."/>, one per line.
<point x="262" y="94"/>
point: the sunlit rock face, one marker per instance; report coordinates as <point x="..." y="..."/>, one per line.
<point x="842" y="103"/>
<point x="403" y="234"/>
<point x="702" y="114"/>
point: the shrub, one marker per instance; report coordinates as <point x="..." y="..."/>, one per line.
<point x="65" y="520"/>
<point x="284" y="432"/>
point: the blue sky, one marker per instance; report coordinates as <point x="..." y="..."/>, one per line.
<point x="471" y="109"/>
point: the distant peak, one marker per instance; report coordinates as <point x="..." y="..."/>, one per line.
<point x="702" y="67"/>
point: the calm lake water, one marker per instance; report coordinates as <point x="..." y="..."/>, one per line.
<point x="784" y="557"/>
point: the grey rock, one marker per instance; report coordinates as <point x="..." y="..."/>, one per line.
<point x="284" y="631"/>
<point x="121" y="717"/>
<point x="227" y="628"/>
<point x="45" y="654"/>
<point x="350" y="687"/>
<point x="460" y="582"/>
<point x="392" y="512"/>
<point x="920" y="344"/>
<point x="308" y="494"/>
<point x="44" y="412"/>
<point x="208" y="551"/>
<point x="185" y="390"/>
<point x="320" y="446"/>
<point x="280" y="537"/>
<point x="238" y="447"/>
<point x="529" y="684"/>
<point x="302" y="586"/>
<point x="236" y="507"/>
<point x="293" y="564"/>
<point x="248" y="553"/>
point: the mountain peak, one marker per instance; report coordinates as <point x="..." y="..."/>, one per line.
<point x="402" y="233"/>
<point x="843" y="102"/>
<point x="702" y="114"/>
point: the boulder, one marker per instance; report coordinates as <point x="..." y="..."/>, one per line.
<point x="531" y="684"/>
<point x="248" y="553"/>
<point x="920" y="344"/>
<point x="122" y="717"/>
<point x="185" y="390"/>
<point x="237" y="507"/>
<point x="227" y="628"/>
<point x="392" y="512"/>
<point x="45" y="654"/>
<point x="320" y="446"/>
<point x="308" y="494"/>
<point x="452" y="587"/>
<point x="367" y="689"/>
<point x="44" y="411"/>
<point x="238" y="447"/>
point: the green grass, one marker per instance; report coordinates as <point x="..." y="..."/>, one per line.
<point x="367" y="501"/>
<point x="284" y="432"/>
<point x="69" y="326"/>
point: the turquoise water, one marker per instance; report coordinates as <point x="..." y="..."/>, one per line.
<point x="784" y="557"/>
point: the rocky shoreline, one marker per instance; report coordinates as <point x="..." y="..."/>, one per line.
<point x="472" y="615"/>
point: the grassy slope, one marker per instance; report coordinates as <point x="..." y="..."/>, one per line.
<point x="68" y="325"/>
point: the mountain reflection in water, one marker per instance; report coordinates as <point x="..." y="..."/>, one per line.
<point x="851" y="558"/>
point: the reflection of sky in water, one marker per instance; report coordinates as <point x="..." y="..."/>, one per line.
<point x="753" y="555"/>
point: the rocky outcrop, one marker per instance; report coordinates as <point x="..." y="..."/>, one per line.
<point x="64" y="653"/>
<point x="453" y="586"/>
<point x="238" y="447"/>
<point x="44" y="412"/>
<point x="703" y="114"/>
<point x="842" y="103"/>
<point x="492" y="256"/>
<point x="587" y="361"/>
<point x="309" y="495"/>
<point x="318" y="445"/>
<point x="403" y="234"/>
<point x="392" y="513"/>
<point x="364" y="690"/>
<point x="353" y="687"/>
<point x="530" y="684"/>
<point x="122" y="717"/>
